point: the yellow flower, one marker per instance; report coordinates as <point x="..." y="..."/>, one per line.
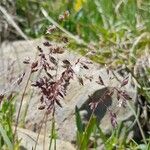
<point x="78" y="4"/>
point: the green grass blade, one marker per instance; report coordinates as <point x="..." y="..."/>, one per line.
<point x="102" y="135"/>
<point x="79" y="41"/>
<point x="78" y="120"/>
<point x="88" y="131"/>
<point x="6" y="138"/>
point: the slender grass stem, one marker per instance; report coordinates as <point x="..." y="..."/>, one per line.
<point x="79" y="41"/>
<point x="40" y="131"/>
<point x="85" y="132"/>
<point x="138" y="122"/>
<point x="45" y="132"/>
<point x="21" y="102"/>
<point x="53" y="132"/>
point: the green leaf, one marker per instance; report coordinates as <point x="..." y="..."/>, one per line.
<point x="6" y="138"/>
<point x="142" y="147"/>
<point x="112" y="141"/>
<point x="91" y="126"/>
<point x="78" y="120"/>
<point x="102" y="135"/>
<point x="88" y="131"/>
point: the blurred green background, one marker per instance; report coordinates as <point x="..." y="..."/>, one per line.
<point x="120" y="26"/>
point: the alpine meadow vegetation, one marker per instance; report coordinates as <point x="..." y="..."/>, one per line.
<point x="111" y="33"/>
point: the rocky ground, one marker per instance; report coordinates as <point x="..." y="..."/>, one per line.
<point x="12" y="56"/>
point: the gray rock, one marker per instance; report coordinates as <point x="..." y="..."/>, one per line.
<point x="29" y="139"/>
<point x="77" y="95"/>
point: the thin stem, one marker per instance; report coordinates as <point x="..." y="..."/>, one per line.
<point x="12" y="22"/>
<point x="53" y="131"/>
<point x="27" y="105"/>
<point x="79" y="41"/>
<point x="40" y="131"/>
<point x="54" y="143"/>
<point x="45" y="132"/>
<point x="56" y="73"/>
<point x="21" y="102"/>
<point x="82" y="140"/>
<point x="138" y="122"/>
